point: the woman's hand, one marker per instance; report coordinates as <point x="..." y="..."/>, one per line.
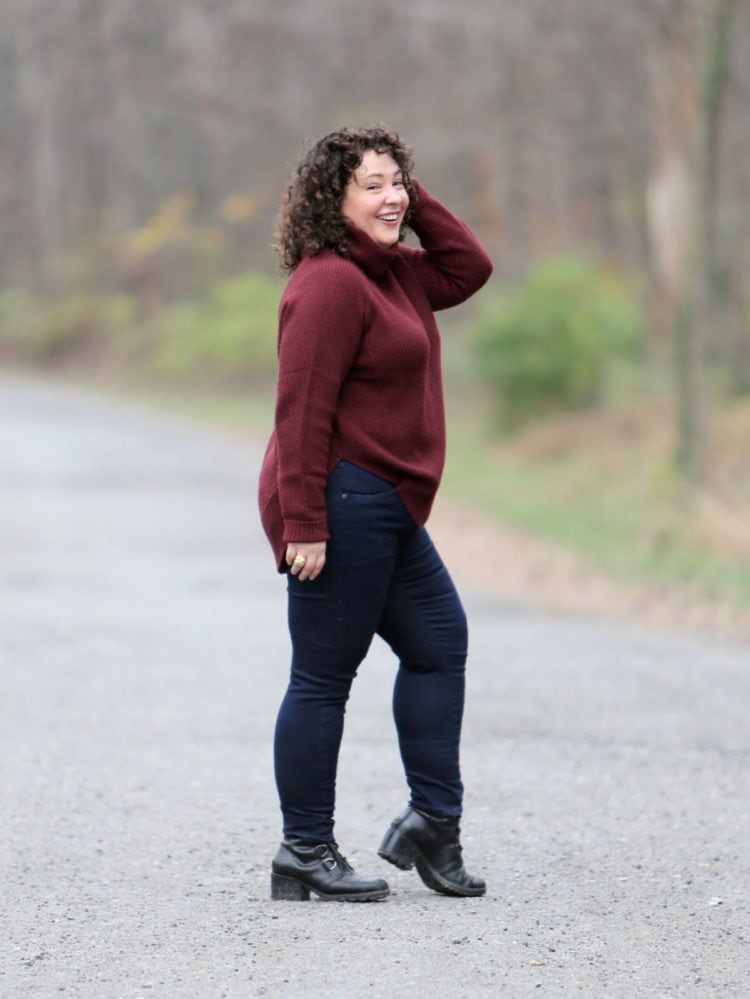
<point x="314" y="555"/>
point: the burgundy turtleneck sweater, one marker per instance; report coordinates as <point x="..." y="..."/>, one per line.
<point x="359" y="370"/>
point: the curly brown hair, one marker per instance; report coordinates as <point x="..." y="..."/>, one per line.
<point x="310" y="219"/>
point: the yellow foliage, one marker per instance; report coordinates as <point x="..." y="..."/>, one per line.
<point x="238" y="209"/>
<point x="208" y="240"/>
<point x="169" y="226"/>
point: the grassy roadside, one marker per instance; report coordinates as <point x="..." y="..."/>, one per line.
<point x="605" y="489"/>
<point x="601" y="487"/>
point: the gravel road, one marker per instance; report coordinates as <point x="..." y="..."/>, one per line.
<point x="142" y="655"/>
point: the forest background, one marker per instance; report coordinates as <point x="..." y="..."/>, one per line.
<point x="599" y="389"/>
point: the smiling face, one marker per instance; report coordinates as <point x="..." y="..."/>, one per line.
<point x="376" y="199"/>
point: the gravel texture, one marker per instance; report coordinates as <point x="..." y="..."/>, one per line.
<point x="143" y="653"/>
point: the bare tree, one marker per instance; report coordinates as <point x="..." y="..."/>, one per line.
<point x="699" y="309"/>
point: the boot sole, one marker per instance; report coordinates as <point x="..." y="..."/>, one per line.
<point x="291" y="890"/>
<point x="402" y="853"/>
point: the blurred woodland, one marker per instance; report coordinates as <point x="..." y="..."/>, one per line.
<point x="144" y="146"/>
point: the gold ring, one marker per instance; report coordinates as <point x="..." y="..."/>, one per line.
<point x="299" y="560"/>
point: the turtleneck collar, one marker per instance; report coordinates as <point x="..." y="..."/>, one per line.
<point x="373" y="258"/>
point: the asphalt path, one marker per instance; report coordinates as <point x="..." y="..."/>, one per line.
<point x="143" y="653"/>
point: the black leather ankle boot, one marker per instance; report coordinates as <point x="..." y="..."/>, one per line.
<point x="433" y="845"/>
<point x="300" y="867"/>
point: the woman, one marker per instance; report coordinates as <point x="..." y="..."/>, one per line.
<point x="346" y="486"/>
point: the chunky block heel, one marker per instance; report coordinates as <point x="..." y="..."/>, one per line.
<point x="432" y="844"/>
<point x="397" y="850"/>
<point x="288" y="890"/>
<point x="300" y="867"/>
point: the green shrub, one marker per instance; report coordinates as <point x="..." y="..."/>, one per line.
<point x="549" y="345"/>
<point x="229" y="335"/>
<point x="225" y="336"/>
<point x="16" y="310"/>
<point x="80" y="326"/>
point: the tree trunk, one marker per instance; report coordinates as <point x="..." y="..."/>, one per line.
<point x="699" y="312"/>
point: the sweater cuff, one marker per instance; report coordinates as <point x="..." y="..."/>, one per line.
<point x="305" y="530"/>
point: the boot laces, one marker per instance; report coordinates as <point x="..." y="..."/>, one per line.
<point x="334" y="858"/>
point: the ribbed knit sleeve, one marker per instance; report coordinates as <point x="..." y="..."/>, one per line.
<point x="451" y="264"/>
<point x="321" y="318"/>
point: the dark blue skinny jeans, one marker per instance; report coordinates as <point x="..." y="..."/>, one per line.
<point x="382" y="576"/>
